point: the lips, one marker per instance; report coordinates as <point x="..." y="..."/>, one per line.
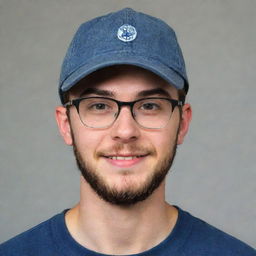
<point x="124" y="157"/>
<point x="124" y="161"/>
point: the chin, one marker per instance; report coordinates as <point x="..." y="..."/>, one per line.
<point x="128" y="183"/>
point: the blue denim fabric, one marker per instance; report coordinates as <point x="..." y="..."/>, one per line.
<point x="144" y="41"/>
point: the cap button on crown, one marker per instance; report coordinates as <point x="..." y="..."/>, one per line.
<point x="126" y="33"/>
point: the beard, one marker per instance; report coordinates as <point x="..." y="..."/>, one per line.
<point x="128" y="196"/>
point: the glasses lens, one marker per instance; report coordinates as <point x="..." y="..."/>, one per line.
<point x="152" y="113"/>
<point x="97" y="112"/>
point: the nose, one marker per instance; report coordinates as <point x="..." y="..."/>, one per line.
<point x="125" y="129"/>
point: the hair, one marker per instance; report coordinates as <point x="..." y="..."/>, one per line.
<point x="182" y="95"/>
<point x="66" y="97"/>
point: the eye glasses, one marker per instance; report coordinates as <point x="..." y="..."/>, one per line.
<point x="101" y="112"/>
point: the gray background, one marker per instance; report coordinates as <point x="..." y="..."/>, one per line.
<point x="214" y="173"/>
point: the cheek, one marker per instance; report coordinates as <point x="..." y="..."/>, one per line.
<point x="166" y="138"/>
<point x="162" y="140"/>
<point x="87" y="141"/>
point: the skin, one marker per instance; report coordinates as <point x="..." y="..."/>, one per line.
<point x="108" y="228"/>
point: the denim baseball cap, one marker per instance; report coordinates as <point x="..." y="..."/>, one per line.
<point x="123" y="37"/>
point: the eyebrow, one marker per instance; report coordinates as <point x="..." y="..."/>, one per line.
<point x="97" y="92"/>
<point x="145" y="93"/>
<point x="158" y="91"/>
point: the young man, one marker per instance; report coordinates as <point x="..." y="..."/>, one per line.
<point x="123" y="85"/>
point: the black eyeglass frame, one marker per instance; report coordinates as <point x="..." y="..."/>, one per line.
<point x="76" y="102"/>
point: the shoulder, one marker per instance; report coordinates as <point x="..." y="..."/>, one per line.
<point x="211" y="241"/>
<point x="35" y="241"/>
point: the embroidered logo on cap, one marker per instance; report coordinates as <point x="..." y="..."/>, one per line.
<point x="126" y="33"/>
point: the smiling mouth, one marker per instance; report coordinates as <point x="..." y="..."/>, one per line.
<point x="126" y="160"/>
<point x="125" y="157"/>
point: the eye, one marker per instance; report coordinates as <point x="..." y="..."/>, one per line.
<point x="149" y="106"/>
<point x="98" y="106"/>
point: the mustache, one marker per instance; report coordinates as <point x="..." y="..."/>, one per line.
<point x="120" y="148"/>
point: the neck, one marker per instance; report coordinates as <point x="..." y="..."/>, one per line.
<point x="111" y="229"/>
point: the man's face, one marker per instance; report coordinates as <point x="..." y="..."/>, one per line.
<point x="124" y="163"/>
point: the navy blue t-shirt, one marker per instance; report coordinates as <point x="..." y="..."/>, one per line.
<point x="190" y="237"/>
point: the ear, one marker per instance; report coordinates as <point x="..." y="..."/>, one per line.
<point x="63" y="124"/>
<point x="184" y="124"/>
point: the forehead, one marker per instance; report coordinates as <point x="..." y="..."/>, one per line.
<point x="123" y="80"/>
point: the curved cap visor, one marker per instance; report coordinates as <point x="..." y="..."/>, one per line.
<point x="100" y="62"/>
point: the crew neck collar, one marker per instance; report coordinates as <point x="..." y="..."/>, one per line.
<point x="67" y="245"/>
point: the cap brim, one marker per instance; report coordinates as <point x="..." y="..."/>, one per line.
<point x="165" y="72"/>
